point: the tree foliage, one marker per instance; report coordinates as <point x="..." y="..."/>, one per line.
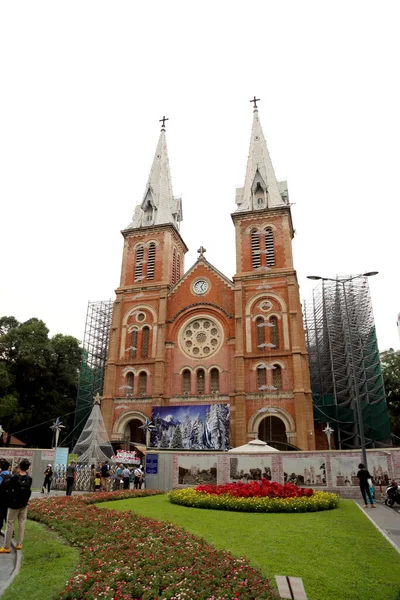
<point x="391" y="377"/>
<point x="38" y="379"/>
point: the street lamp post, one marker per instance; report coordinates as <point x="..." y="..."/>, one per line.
<point x="358" y="401"/>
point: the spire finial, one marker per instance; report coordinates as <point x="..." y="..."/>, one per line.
<point x="201" y="251"/>
<point x="255" y="100"/>
<point x="163" y="122"/>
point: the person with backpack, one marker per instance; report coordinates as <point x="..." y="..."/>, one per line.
<point x="5" y="477"/>
<point x="17" y="498"/>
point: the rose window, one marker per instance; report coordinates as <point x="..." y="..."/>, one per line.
<point x="201" y="337"/>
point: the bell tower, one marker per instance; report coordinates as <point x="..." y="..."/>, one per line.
<point x="273" y="394"/>
<point x="152" y="263"/>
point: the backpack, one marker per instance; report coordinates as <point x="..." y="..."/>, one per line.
<point x="4" y="488"/>
<point x="18" y="491"/>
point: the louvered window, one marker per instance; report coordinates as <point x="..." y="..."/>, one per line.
<point x="269" y="246"/>
<point x="274" y="331"/>
<point x="151" y="261"/>
<point x="129" y="384"/>
<point x="186" y="377"/>
<point x="145" y="342"/>
<point x="214" y="377"/>
<point x="277" y="377"/>
<point x="255" y="249"/>
<point x="260" y="334"/>
<point x="174" y="267"/>
<point x="139" y="264"/>
<point x="200" y="381"/>
<point x="134" y="342"/>
<point x="178" y="267"/>
<point x="261" y="376"/>
<point x="142" y="383"/>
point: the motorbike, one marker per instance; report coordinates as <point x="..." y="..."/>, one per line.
<point x="392" y="494"/>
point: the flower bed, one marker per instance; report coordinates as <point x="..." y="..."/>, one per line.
<point x="255" y="496"/>
<point x="125" y="557"/>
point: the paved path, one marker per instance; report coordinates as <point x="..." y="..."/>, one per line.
<point x="7" y="566"/>
<point x="386" y="519"/>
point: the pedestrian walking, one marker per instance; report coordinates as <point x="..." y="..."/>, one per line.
<point x="365" y="481"/>
<point x="105" y="476"/>
<point x="70" y="477"/>
<point x="48" y="478"/>
<point x="5" y="477"/>
<point x="18" y="494"/>
<point x="138" y="477"/>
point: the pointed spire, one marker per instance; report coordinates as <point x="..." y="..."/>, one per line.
<point x="261" y="189"/>
<point x="158" y="206"/>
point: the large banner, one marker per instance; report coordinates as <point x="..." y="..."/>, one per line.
<point x="200" y="427"/>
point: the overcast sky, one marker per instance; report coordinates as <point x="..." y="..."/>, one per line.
<point x="84" y="84"/>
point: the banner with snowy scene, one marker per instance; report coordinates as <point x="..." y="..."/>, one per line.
<point x="200" y="427"/>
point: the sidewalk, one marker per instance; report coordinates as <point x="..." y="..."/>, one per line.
<point x="8" y="566"/>
<point x="386" y="519"/>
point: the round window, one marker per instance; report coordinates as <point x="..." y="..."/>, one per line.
<point x="201" y="337"/>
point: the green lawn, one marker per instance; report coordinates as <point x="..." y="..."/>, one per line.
<point x="47" y="563"/>
<point x="338" y="553"/>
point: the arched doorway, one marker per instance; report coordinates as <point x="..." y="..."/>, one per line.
<point x="135" y="434"/>
<point x="272" y="429"/>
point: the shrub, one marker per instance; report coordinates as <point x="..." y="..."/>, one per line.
<point x="317" y="501"/>
<point x="127" y="557"/>
<point x="255" y="489"/>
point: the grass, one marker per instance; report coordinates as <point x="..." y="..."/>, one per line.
<point x="338" y="553"/>
<point x="47" y="563"/>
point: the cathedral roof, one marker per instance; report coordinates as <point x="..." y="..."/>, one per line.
<point x="260" y="179"/>
<point x="158" y="206"/>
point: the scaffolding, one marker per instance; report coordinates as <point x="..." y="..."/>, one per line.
<point x="94" y="356"/>
<point x="343" y="353"/>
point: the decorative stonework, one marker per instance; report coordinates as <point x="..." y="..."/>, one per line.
<point x="201" y="337"/>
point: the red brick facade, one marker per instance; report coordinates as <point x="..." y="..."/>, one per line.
<point x="152" y="361"/>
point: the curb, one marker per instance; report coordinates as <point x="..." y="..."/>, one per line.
<point x="385" y="535"/>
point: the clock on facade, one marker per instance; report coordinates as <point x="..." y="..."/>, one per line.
<point x="200" y="286"/>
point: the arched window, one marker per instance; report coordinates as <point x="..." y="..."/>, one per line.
<point x="174" y="267"/>
<point x="139" y="263"/>
<point x="129" y="384"/>
<point x="260" y="334"/>
<point x="134" y="341"/>
<point x="142" y="383"/>
<point x="145" y="342"/>
<point x="178" y="267"/>
<point x="274" y="331"/>
<point x="269" y="246"/>
<point x="186" y="381"/>
<point x="214" y="378"/>
<point x="151" y="261"/>
<point x="261" y="377"/>
<point x="277" y="377"/>
<point x="255" y="249"/>
<point x="201" y="383"/>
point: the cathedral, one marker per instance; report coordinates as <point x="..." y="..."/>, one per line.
<point x="197" y="342"/>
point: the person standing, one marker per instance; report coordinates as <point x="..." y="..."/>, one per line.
<point x="138" y="477"/>
<point x="18" y="494"/>
<point x="105" y="476"/>
<point x="48" y="478"/>
<point x="93" y="472"/>
<point x="364" y="479"/>
<point x="5" y="477"/>
<point x="70" y="477"/>
<point x="126" y="475"/>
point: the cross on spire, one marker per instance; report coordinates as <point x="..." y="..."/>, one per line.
<point x="255" y="100"/>
<point x="201" y="251"/>
<point x="163" y="121"/>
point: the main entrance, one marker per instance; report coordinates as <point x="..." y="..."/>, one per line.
<point x="272" y="429"/>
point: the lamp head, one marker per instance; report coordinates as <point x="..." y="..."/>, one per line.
<point x="370" y="273"/>
<point x="314" y="277"/>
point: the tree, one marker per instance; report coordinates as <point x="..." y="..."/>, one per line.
<point x="391" y="378"/>
<point x="177" y="438"/>
<point x="38" y="379"/>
